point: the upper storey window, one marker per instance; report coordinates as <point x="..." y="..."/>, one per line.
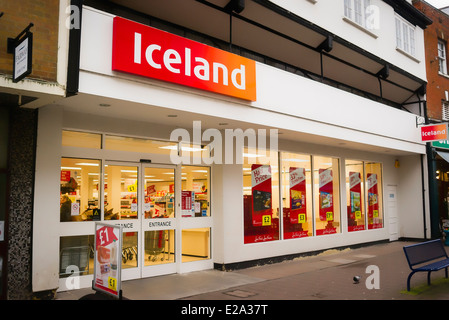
<point x="358" y="11"/>
<point x="442" y="57"/>
<point x="405" y="36"/>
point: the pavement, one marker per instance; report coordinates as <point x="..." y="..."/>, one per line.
<point x="382" y="270"/>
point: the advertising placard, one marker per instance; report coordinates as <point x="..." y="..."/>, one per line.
<point x="326" y="200"/>
<point x="355" y="208"/>
<point x="107" y="259"/>
<point x="297" y="195"/>
<point x="261" y="191"/>
<point x="298" y="213"/>
<point x="188" y="203"/>
<point x="373" y="202"/>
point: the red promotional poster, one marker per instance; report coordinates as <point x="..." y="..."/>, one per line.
<point x="261" y="191"/>
<point x="65" y="175"/>
<point x="355" y="208"/>
<point x="373" y="202"/>
<point x="107" y="259"/>
<point x="326" y="201"/>
<point x="297" y="195"/>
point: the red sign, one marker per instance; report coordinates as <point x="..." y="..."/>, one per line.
<point x="326" y="201"/>
<point x="261" y="190"/>
<point x="65" y="175"/>
<point x="434" y="132"/>
<point x="149" y="52"/>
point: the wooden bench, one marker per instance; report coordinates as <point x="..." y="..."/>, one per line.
<point x="418" y="255"/>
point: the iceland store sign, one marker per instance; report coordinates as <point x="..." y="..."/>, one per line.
<point x="141" y="50"/>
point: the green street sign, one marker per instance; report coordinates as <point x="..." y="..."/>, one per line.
<point x="441" y="144"/>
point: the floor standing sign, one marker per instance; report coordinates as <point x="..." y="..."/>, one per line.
<point x="107" y="260"/>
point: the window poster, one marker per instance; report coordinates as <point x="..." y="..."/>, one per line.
<point x="326" y="201"/>
<point x="188" y="203"/>
<point x="261" y="193"/>
<point x="374" y="220"/>
<point x="298" y="213"/>
<point x="107" y="260"/>
<point x="355" y="218"/>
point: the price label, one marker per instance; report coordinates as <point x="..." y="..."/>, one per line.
<point x="266" y="220"/>
<point x="376" y="213"/>
<point x="112" y="283"/>
<point x="301" y="218"/>
<point x="358" y="214"/>
<point x="329" y="216"/>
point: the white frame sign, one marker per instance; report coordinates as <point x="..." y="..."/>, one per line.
<point x="107" y="259"/>
<point x="23" y="52"/>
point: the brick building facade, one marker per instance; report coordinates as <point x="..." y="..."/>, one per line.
<point x="436" y="38"/>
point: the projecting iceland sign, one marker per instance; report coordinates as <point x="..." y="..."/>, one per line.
<point x="141" y="50"/>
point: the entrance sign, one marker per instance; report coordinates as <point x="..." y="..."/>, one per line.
<point x="107" y="259"/>
<point x="145" y="51"/>
<point x="434" y="132"/>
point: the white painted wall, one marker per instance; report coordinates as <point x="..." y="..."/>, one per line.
<point x="284" y="100"/>
<point x="328" y="14"/>
<point x="45" y="252"/>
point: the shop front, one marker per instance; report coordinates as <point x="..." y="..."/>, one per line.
<point x="175" y="165"/>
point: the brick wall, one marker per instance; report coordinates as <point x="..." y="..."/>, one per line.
<point x="437" y="84"/>
<point x="45" y="16"/>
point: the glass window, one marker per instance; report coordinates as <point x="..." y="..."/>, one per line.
<point x="405" y="36"/>
<point x="195" y="194"/>
<point x="159" y="247"/>
<point x="296" y="195"/>
<point x="79" y="189"/>
<point x="129" y="250"/>
<point x="355" y="202"/>
<point x="374" y="191"/>
<point x="442" y="57"/>
<point x="120" y="192"/>
<point x="357" y="11"/>
<point x="76" y="255"/>
<point x="327" y="195"/>
<point x="139" y="145"/>
<point x="195" y="244"/>
<point x="260" y="196"/>
<point x="159" y="193"/>
<point x="81" y="139"/>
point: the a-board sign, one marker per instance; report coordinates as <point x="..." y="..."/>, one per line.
<point x="107" y="259"/>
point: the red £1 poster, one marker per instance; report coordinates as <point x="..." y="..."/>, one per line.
<point x="261" y="191"/>
<point x="373" y="202"/>
<point x="107" y="261"/>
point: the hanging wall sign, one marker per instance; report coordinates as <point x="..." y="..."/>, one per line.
<point x="141" y="50"/>
<point x="374" y="221"/>
<point x="261" y="191"/>
<point x="434" y="132"/>
<point x="23" y="51"/>
<point x="107" y="259"/>
<point x="355" y="210"/>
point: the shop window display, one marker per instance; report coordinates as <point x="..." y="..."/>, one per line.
<point x="195" y="196"/>
<point x="121" y="196"/>
<point x="326" y="194"/>
<point x="260" y="197"/>
<point x="355" y="195"/>
<point x="373" y="176"/>
<point x="79" y="192"/>
<point x="296" y="195"/>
